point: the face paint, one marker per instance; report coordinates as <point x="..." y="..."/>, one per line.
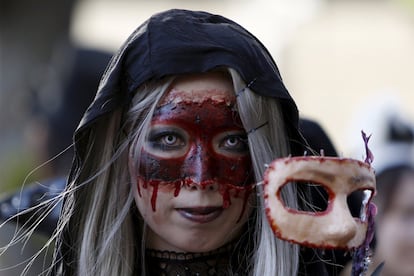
<point x="196" y="143"/>
<point x="194" y="174"/>
<point x="332" y="228"/>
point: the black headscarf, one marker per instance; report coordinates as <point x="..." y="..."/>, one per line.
<point x="182" y="41"/>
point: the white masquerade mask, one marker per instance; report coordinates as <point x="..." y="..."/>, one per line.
<point x="334" y="227"/>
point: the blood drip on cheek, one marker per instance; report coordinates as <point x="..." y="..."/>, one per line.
<point x="226" y="190"/>
<point x="202" y="164"/>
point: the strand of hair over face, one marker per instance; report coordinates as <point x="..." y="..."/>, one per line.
<point x="267" y="142"/>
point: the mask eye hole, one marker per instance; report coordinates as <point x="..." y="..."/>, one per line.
<point x="357" y="203"/>
<point x="306" y="190"/>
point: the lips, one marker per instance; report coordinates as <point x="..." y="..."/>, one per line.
<point x="200" y="214"/>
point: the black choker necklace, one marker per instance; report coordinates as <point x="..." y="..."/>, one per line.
<point x="168" y="263"/>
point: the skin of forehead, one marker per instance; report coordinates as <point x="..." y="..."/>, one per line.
<point x="198" y="88"/>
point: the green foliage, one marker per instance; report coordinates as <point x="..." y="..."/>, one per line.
<point x="16" y="172"/>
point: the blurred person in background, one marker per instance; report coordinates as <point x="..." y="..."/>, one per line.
<point x="44" y="92"/>
<point x="395" y="200"/>
<point x="55" y="81"/>
<point x="36" y="56"/>
<point x="52" y="131"/>
<point x="395" y="221"/>
<point x="393" y="245"/>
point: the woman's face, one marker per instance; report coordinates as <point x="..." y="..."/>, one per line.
<point x="195" y="181"/>
<point x="395" y="231"/>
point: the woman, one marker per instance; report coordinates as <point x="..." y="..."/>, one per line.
<point x="393" y="246"/>
<point x="395" y="221"/>
<point x="186" y="116"/>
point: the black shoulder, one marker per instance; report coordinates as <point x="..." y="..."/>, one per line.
<point x="22" y="206"/>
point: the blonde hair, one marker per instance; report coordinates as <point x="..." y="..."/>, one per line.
<point x="104" y="237"/>
<point x="98" y="219"/>
<point x="267" y="140"/>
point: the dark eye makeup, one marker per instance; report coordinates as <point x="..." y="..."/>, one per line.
<point x="234" y="143"/>
<point x="166" y="139"/>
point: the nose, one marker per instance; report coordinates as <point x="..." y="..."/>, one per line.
<point x="204" y="185"/>
<point x="342" y="232"/>
<point x="198" y="168"/>
<point x="343" y="229"/>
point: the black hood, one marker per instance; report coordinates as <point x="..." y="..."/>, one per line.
<point x="181" y="41"/>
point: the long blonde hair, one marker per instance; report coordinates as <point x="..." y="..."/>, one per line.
<point x="267" y="137"/>
<point x="98" y="219"/>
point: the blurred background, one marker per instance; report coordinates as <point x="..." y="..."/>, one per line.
<point x="348" y="64"/>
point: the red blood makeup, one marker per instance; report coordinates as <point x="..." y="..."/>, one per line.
<point x="200" y="144"/>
